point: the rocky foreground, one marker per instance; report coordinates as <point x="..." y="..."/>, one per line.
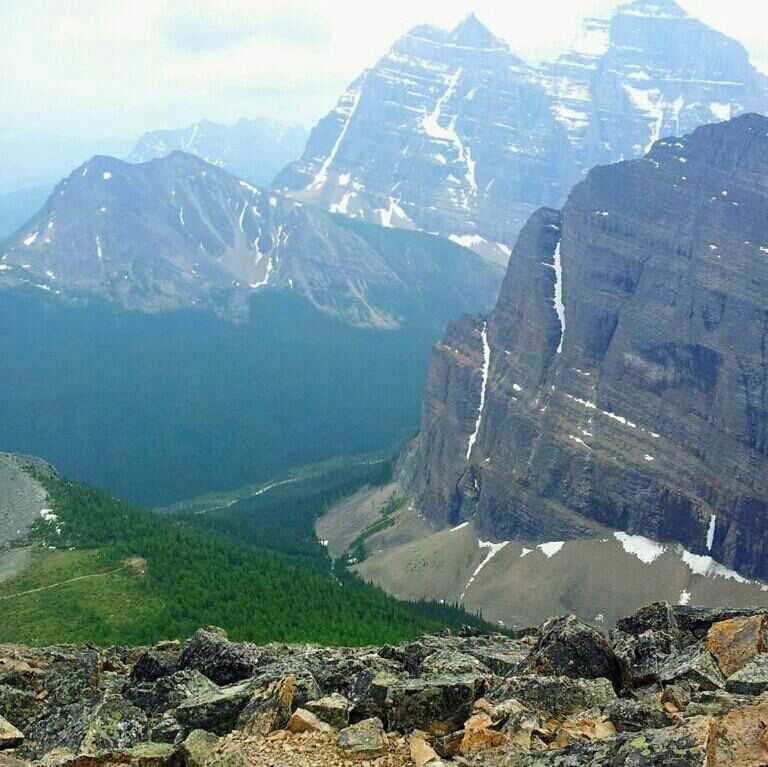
<point x="680" y="686"/>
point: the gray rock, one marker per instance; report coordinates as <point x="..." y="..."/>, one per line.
<point x="197" y="747"/>
<point x="362" y="740"/>
<point x="215" y="711"/>
<point x="153" y="665"/>
<point x="555" y="697"/>
<point x="568" y="647"/>
<point x="168" y="692"/>
<point x="333" y="709"/>
<point x="750" y="680"/>
<point x="695" y="665"/>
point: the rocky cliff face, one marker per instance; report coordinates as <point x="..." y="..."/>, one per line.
<point x="683" y="681"/>
<point x="450" y="132"/>
<point x="251" y="149"/>
<point x="621" y="379"/>
<point x="179" y="231"/>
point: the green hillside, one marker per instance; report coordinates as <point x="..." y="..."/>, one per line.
<point x="122" y="575"/>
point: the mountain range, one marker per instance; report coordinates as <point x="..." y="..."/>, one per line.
<point x="621" y="380"/>
<point x="452" y="133"/>
<point x="178" y="231"/>
<point x="254" y="150"/>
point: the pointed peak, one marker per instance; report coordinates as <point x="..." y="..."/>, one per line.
<point x="652" y="9"/>
<point x="471" y="32"/>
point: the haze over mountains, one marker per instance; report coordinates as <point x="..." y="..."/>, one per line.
<point x="254" y="150"/>
<point x="450" y="132"/>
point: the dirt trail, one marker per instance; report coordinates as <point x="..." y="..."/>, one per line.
<point x="69" y="580"/>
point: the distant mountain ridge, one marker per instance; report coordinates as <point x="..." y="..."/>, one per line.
<point x="178" y="231"/>
<point x="254" y="150"/>
<point x="451" y="133"/>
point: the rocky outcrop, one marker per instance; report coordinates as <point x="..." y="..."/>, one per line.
<point x="561" y="703"/>
<point x="620" y="382"/>
<point x="178" y="232"/>
<point x="451" y="132"/>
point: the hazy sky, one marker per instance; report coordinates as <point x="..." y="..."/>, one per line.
<point x="82" y="76"/>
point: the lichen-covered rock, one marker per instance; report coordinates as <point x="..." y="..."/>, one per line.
<point x="20" y="707"/>
<point x="638" y="657"/>
<point x="695" y="622"/>
<point x="453" y="662"/>
<point x="435" y="704"/>
<point x="752" y="679"/>
<point x="736" y="641"/>
<point x="268" y="709"/>
<point x="658" y="617"/>
<point x="695" y="665"/>
<point x="115" y="724"/>
<point x="684" y="746"/>
<point x="224" y="662"/>
<point x="197" y="747"/>
<point x="568" y="647"/>
<point x="153" y="665"/>
<point x="215" y="711"/>
<point x="167" y="730"/>
<point x="168" y="692"/>
<point x="555" y="697"/>
<point x="364" y="739"/>
<point x="633" y="716"/>
<point x="332" y="709"/>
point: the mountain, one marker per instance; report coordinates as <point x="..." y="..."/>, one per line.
<point x="177" y="232"/>
<point x="251" y="149"/>
<point x="620" y="381"/>
<point x="678" y="687"/>
<point x="451" y="133"/>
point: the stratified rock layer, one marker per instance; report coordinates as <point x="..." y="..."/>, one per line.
<point x="621" y="380"/>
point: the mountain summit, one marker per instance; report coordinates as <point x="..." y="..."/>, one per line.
<point x="454" y="134"/>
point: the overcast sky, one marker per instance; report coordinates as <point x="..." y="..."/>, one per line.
<point x="86" y="76"/>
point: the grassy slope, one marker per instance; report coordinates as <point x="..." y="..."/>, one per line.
<point x="193" y="578"/>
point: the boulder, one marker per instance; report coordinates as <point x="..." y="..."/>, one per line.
<point x="268" y="709"/>
<point x="305" y="721"/>
<point x="452" y="662"/>
<point x="153" y="665"/>
<point x="479" y="735"/>
<point x="638" y="657"/>
<point x="695" y="622"/>
<point x="114" y="724"/>
<point x="436" y="704"/>
<point x="224" y="662"/>
<point x="169" y="692"/>
<point x="632" y="716"/>
<point x="215" y="711"/>
<point x="365" y="739"/>
<point x="742" y="738"/>
<point x="695" y="665"/>
<point x="568" y="647"/>
<point x="658" y="618"/>
<point x="197" y="747"/>
<point x="10" y="736"/>
<point x="684" y="746"/>
<point x="555" y="697"/>
<point x="333" y="709"/>
<point x="20" y="707"/>
<point x="736" y="641"/>
<point x="752" y="679"/>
